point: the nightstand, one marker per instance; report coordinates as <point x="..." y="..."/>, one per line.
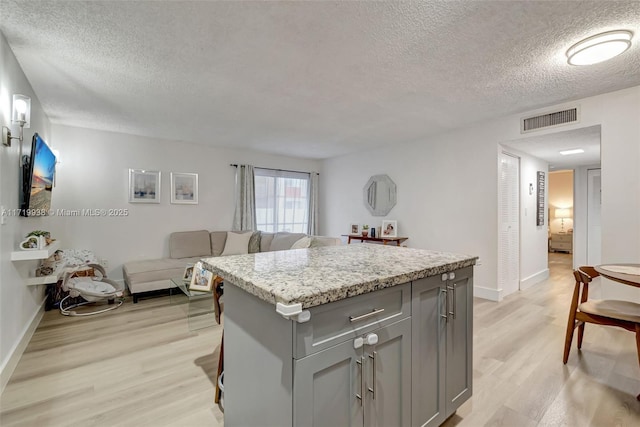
<point x="561" y="242"/>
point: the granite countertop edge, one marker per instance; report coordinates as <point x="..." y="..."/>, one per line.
<point x="312" y="299"/>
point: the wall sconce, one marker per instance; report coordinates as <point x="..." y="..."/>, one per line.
<point x="21" y="115"/>
<point x="562" y="214"/>
<point x="530" y="189"/>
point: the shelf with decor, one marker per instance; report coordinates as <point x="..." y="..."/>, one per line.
<point x="36" y="255"/>
<point x="26" y="255"/>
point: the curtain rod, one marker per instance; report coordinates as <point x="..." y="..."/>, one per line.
<point x="271" y="169"/>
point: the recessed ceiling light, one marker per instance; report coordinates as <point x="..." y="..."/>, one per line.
<point x="599" y="48"/>
<point x="574" y="151"/>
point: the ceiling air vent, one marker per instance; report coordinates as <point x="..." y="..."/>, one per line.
<point x="544" y="121"/>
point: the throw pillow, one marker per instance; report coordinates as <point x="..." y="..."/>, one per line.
<point x="254" y="242"/>
<point x="237" y="243"/>
<point x="303" y="243"/>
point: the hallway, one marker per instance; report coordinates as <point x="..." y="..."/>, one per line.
<point x="519" y="378"/>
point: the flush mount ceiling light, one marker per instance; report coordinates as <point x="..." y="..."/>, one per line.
<point x="574" y="151"/>
<point x="599" y="48"/>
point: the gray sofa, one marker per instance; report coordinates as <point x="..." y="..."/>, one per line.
<point x="190" y="246"/>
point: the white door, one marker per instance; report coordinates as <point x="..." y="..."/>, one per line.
<point x="594" y="203"/>
<point x="509" y="224"/>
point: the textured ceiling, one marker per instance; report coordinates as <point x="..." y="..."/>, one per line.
<point x="308" y="79"/>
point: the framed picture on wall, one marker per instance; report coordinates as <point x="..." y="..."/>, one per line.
<point x="389" y="228"/>
<point x="144" y="186"/>
<point x="184" y="188"/>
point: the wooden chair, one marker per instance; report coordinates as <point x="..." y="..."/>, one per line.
<point x="218" y="290"/>
<point x="624" y="314"/>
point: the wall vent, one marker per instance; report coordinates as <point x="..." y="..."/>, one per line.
<point x="548" y="120"/>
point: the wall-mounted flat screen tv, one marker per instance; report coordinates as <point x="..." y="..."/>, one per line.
<point x="37" y="178"/>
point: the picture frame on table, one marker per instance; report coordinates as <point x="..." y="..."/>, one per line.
<point x="389" y="229"/>
<point x="201" y="279"/>
<point x="184" y="188"/>
<point x="144" y="186"/>
<point x="355" y="229"/>
<point x="188" y="273"/>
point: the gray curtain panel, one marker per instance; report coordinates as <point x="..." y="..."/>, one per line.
<point x="313" y="203"/>
<point x="245" y="212"/>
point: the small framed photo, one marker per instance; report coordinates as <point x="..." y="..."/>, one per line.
<point x="144" y="186"/>
<point x="201" y="279"/>
<point x="355" y="229"/>
<point x="188" y="273"/>
<point x="389" y="229"/>
<point x="184" y="188"/>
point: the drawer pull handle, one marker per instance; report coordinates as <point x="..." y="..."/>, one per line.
<point x="366" y="315"/>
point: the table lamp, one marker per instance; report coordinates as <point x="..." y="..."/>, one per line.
<point x="562" y="214"/>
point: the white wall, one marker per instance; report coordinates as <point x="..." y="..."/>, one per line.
<point x="94" y="174"/>
<point x="580" y="231"/>
<point x="534" y="256"/>
<point x="19" y="304"/>
<point x="447" y="186"/>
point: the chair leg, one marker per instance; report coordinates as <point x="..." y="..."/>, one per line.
<point x="218" y="393"/>
<point x="571" y="325"/>
<point x="638" y="347"/>
<point x="580" y="334"/>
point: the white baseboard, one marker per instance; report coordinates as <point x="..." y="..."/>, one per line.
<point x="487" y="293"/>
<point x="18" y="349"/>
<point x="534" y="279"/>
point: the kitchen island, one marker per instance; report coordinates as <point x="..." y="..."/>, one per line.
<point x="365" y="335"/>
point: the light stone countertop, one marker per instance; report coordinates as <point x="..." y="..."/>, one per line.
<point x="321" y="275"/>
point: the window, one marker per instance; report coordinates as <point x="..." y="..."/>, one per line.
<point x="282" y="200"/>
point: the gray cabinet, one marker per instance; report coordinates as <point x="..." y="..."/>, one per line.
<point x="442" y="315"/>
<point x="361" y="382"/>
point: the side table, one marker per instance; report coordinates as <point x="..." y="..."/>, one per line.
<point x="200" y="305"/>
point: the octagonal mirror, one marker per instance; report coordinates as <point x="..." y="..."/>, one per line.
<point x="380" y="195"/>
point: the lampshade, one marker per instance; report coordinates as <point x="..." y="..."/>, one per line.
<point x="563" y="213"/>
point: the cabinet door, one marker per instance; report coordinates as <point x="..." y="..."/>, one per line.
<point x="428" y="352"/>
<point x="388" y="377"/>
<point x="459" y="357"/>
<point x="325" y="386"/>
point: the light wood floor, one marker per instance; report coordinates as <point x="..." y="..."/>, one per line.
<point x="139" y="365"/>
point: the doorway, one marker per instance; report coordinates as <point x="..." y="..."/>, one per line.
<point x="561" y="211"/>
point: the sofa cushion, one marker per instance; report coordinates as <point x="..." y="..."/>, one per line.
<point x="283" y="240"/>
<point x="236" y="244"/>
<point x="186" y="244"/>
<point x="218" y="240"/>
<point x="154" y="269"/>
<point x="318" y="241"/>
<point x="265" y="241"/>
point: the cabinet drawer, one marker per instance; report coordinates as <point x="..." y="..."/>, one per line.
<point x="343" y="320"/>
<point x="560" y="246"/>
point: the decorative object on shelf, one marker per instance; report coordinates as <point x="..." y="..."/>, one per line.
<point x="44" y="238"/>
<point x="31" y="243"/>
<point x="201" y="279"/>
<point x="379" y="195"/>
<point x="540" y="199"/>
<point x="144" y="186"/>
<point x="355" y="229"/>
<point x="389" y="228"/>
<point x="373" y="231"/>
<point x="184" y="188"/>
<point x="365" y="230"/>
